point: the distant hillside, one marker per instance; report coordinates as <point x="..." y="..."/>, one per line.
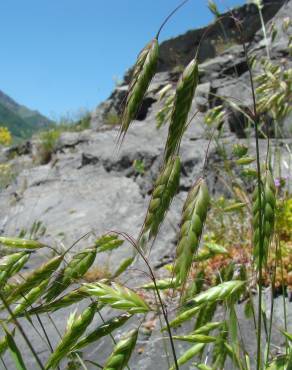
<point x="21" y="121"/>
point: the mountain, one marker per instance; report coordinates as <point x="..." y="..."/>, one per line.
<point x="20" y="120"/>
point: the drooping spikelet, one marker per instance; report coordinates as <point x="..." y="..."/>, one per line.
<point x="35" y="278"/>
<point x="20" y="243"/>
<point x="165" y="188"/>
<point x="30" y="298"/>
<point x="118" y="297"/>
<point x="75" y="269"/>
<point x="185" y="91"/>
<point x="71" y="336"/>
<point x="104" y="329"/>
<point x="267" y="205"/>
<point x="269" y="210"/>
<point x="67" y="300"/>
<point x="121" y="354"/>
<point x="144" y="70"/>
<point x="193" y="218"/>
<point x="11" y="264"/>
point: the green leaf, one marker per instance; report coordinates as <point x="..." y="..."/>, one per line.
<point x="15" y="353"/>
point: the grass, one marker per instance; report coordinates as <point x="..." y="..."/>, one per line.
<point x="226" y="250"/>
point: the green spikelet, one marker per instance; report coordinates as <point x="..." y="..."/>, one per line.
<point x="220" y="351"/>
<point x="108" y="242"/>
<point x="269" y="210"/>
<point x="71" y="336"/>
<point x="30" y="298"/>
<point x="121" y="354"/>
<point x="105" y="329"/>
<point x="189" y="354"/>
<point x="118" y="297"/>
<point x="75" y="269"/>
<point x="11" y="264"/>
<point x="193" y="218"/>
<point x="20" y="243"/>
<point x="268" y="205"/>
<point x="144" y="70"/>
<point x="185" y="91"/>
<point x="165" y="189"/>
<point x="36" y="277"/>
<point x="67" y="300"/>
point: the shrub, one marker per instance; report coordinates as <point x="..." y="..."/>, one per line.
<point x="46" y="146"/>
<point x="5" y="136"/>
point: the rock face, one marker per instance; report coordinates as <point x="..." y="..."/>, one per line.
<point x="90" y="187"/>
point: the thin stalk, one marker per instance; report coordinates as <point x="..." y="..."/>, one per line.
<point x="163" y="338"/>
<point x="95" y="364"/>
<point x="259" y="188"/>
<point x="45" y="333"/>
<point x="17" y="324"/>
<point x="284" y="298"/>
<point x="54" y="325"/>
<point x="169" y="16"/>
<point x="272" y="305"/>
<point x="3" y="363"/>
<point x="264" y="31"/>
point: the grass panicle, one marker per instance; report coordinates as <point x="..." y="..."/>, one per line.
<point x="74" y="332"/>
<point x="118" y="297"/>
<point x="143" y="73"/>
<point x="193" y="218"/>
<point x="164" y="190"/>
<point x="122" y="351"/>
<point x="185" y="91"/>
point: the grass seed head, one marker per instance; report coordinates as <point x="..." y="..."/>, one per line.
<point x="30" y="298"/>
<point x="118" y="297"/>
<point x="20" y="243"/>
<point x="144" y="70"/>
<point x="182" y="103"/>
<point x="36" y="277"/>
<point x="105" y="329"/>
<point x="193" y="218"/>
<point x="71" y="336"/>
<point x="67" y="300"/>
<point x="165" y="189"/>
<point x="76" y="268"/>
<point x="121" y="354"/>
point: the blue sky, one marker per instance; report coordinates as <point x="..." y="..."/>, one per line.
<point x="59" y="56"/>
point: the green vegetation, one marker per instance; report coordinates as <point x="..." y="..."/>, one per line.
<point x="227" y="249"/>
<point x="21" y="121"/>
<point x="112" y="119"/>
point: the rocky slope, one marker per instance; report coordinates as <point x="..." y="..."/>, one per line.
<point x="90" y="186"/>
